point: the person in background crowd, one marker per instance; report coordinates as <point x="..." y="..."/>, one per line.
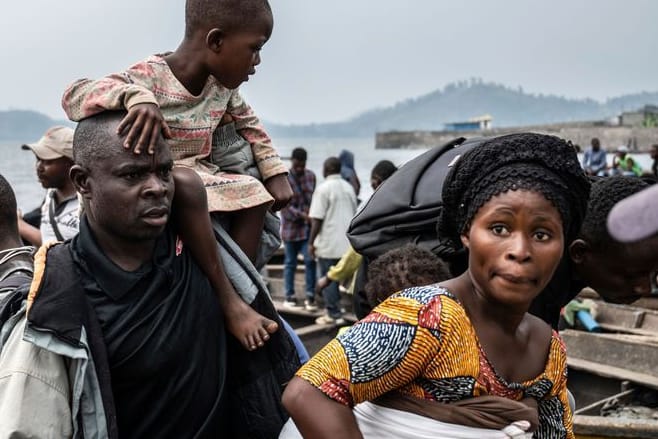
<point x="347" y="170"/>
<point x="634" y="221"/>
<point x="380" y="172"/>
<point x="350" y="261"/>
<point x="619" y="271"/>
<point x="15" y="258"/>
<point x="624" y="164"/>
<point x="60" y="209"/>
<point x="594" y="159"/>
<point x="16" y="269"/>
<point x="332" y="209"/>
<point x="634" y="218"/>
<point x="295" y="229"/>
<point x="654" y="156"/>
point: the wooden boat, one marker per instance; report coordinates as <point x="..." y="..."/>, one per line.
<point x="615" y="372"/>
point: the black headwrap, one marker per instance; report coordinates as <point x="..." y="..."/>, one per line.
<point x="537" y="162"/>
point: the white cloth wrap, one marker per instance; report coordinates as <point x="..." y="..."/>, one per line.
<point x="376" y="422"/>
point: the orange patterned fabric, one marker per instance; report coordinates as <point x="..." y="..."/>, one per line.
<point x="420" y="342"/>
<point x="39" y="269"/>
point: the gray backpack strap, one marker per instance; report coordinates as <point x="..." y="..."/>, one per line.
<point x="13" y="290"/>
<point x="53" y="222"/>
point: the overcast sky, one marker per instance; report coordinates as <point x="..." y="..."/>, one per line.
<point x="329" y="60"/>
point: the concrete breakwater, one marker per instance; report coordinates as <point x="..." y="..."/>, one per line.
<point x="638" y="139"/>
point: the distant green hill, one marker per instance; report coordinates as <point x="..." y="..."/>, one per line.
<point x="454" y="103"/>
<point x="25" y="125"/>
<point x="463" y="100"/>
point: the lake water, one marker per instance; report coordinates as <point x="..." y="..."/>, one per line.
<point x="17" y="166"/>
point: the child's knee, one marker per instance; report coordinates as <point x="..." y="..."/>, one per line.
<point x="188" y="186"/>
<point x="187" y="178"/>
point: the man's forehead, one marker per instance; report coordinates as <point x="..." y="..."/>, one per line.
<point x="122" y="157"/>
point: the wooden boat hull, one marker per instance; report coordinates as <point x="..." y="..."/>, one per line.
<point x="599" y="427"/>
<point x="611" y="369"/>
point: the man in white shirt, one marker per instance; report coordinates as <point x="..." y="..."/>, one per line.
<point x="59" y="212"/>
<point x="332" y="208"/>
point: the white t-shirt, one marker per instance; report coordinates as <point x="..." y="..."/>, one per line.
<point x="333" y="202"/>
<point x="66" y="218"/>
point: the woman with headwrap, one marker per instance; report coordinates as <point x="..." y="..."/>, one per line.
<point x="406" y="208"/>
<point x="463" y="358"/>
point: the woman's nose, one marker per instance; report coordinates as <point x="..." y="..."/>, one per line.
<point x="519" y="248"/>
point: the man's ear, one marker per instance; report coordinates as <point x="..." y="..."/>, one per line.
<point x="214" y="39"/>
<point x="80" y="178"/>
<point x="464" y="239"/>
<point x="578" y="250"/>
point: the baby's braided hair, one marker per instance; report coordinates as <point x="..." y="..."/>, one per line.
<point x="529" y="161"/>
<point x="400" y="268"/>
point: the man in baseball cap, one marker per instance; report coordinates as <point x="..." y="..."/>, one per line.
<point x="56" y="143"/>
<point x="624" y="164"/>
<point x="59" y="212"/>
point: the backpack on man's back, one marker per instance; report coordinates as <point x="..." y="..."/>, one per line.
<point x="406" y="207"/>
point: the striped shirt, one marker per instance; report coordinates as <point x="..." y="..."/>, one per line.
<point x="294" y="226"/>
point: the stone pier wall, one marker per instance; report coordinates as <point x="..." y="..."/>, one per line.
<point x="579" y="134"/>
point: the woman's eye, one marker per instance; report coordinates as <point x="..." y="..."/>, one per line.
<point x="499" y="229"/>
<point x="542" y="236"/>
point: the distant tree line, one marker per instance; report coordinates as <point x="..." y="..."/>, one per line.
<point x="463" y="100"/>
<point x="24" y="125"/>
<point x="456" y="102"/>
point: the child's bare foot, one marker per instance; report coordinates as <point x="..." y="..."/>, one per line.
<point x="249" y="327"/>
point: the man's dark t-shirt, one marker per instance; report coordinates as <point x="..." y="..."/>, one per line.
<point x="165" y="340"/>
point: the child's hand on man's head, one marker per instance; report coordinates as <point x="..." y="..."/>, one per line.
<point x="143" y="125"/>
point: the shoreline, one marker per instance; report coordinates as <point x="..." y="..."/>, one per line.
<point x="638" y="139"/>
